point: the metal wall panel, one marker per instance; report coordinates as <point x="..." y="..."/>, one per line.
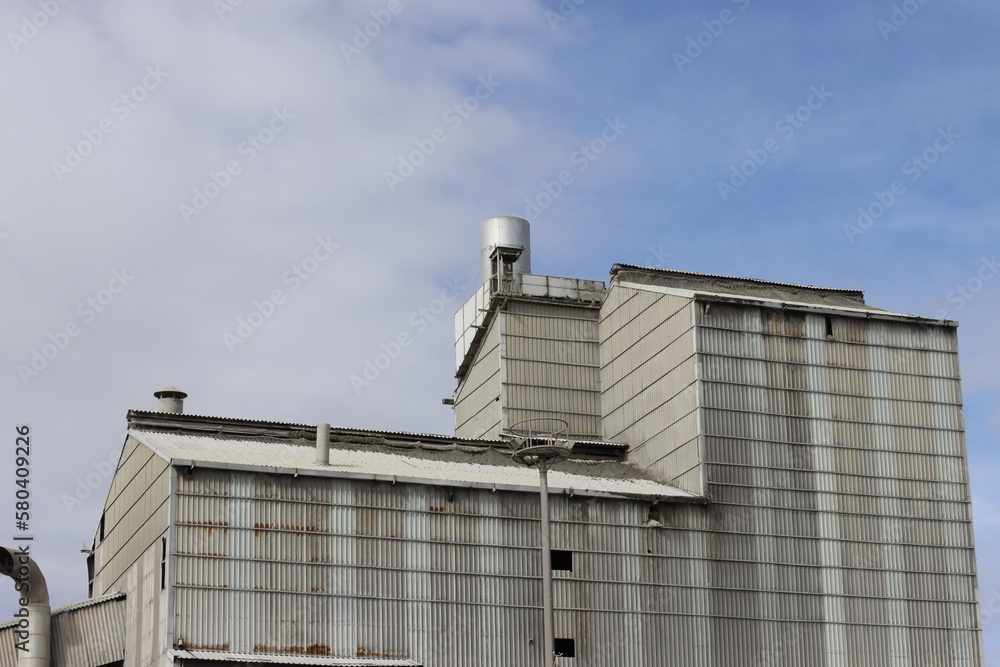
<point x="836" y="449"/>
<point x="477" y="413"/>
<point x="550" y="360"/>
<point x="135" y="515"/>
<point x="649" y="393"/>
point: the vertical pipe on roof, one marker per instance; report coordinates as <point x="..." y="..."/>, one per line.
<point x="170" y="399"/>
<point x="323" y="444"/>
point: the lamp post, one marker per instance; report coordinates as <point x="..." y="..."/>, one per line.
<point x="535" y="445"/>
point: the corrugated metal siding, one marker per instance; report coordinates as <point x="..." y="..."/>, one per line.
<point x="550" y="357"/>
<point x="837" y="467"/>
<point x="135" y="515"/>
<point x="648" y="379"/>
<point x="442" y="576"/>
<point x="477" y="409"/>
<point x="451" y="577"/>
<point x="93" y="635"/>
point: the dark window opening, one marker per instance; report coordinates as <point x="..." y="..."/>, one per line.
<point x="654" y="513"/>
<point x="90" y="574"/>
<point x="163" y="563"/>
<point x="101" y="531"/>
<point x="565" y="648"/>
<point x="829" y="328"/>
<point x="562" y="560"/>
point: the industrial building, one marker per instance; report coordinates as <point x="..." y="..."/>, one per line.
<point x="761" y="474"/>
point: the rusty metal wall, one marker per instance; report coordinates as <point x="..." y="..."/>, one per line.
<point x="477" y="409"/>
<point x="649" y="382"/>
<point x="551" y="366"/>
<point x="442" y="576"/>
<point x="135" y="514"/>
<point x="450" y="576"/>
<point x="837" y="465"/>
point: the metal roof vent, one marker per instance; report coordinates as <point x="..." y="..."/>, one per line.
<point x="506" y="252"/>
<point x="171" y="399"/>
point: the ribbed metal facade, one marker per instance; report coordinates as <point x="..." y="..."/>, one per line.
<point x="135" y="514"/>
<point x="131" y="556"/>
<point x="536" y="360"/>
<point x="649" y="394"/>
<point x="449" y="576"/>
<point x="477" y="406"/>
<point x="550" y="364"/>
<point x="836" y="460"/>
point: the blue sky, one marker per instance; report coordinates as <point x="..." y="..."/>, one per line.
<point x="206" y="151"/>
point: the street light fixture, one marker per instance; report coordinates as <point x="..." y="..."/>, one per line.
<point x="541" y="442"/>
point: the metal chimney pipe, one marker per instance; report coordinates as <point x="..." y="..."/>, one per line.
<point x="323" y="444"/>
<point x="34" y="614"/>
<point x="171" y="399"/>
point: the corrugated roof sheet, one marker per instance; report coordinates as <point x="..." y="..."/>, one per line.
<point x="74" y="606"/>
<point x="270" y="659"/>
<point x="456" y="466"/>
<point x="618" y="266"/>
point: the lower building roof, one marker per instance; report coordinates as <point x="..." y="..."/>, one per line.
<point x="246" y="659"/>
<point x="454" y="464"/>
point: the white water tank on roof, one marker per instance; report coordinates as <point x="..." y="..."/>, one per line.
<point x="506" y="243"/>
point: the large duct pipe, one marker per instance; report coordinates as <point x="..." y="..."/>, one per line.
<point x="34" y="632"/>
<point x="323" y="444"/>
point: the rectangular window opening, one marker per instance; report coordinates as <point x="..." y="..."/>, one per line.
<point x="565" y="648"/>
<point x="163" y="563"/>
<point x="829" y="328"/>
<point x="562" y="560"/>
